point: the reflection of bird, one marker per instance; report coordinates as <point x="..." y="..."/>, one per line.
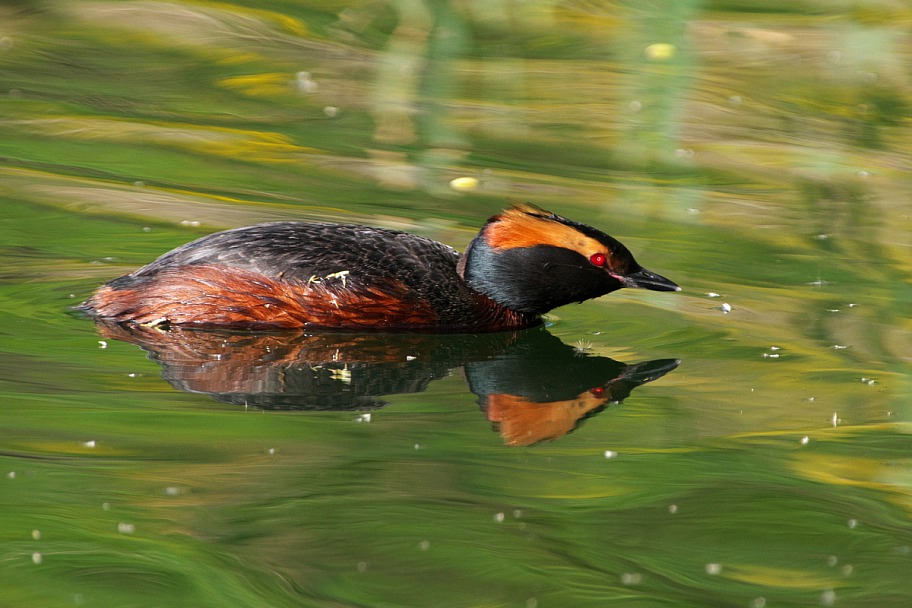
<point x="523" y="263"/>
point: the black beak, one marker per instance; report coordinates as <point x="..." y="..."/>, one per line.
<point x="648" y="280"/>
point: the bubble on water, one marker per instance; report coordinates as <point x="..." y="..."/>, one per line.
<point x="713" y="568"/>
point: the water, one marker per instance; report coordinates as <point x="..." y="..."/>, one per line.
<point x="758" y="159"/>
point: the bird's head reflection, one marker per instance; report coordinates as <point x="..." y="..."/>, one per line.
<point x="532" y="386"/>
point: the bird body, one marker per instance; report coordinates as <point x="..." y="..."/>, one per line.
<point x="524" y="262"/>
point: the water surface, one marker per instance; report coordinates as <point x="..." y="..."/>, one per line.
<point x="759" y="158"/>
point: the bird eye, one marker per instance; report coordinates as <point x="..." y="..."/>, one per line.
<point x="598" y="259"/>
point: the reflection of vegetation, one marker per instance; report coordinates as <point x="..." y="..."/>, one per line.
<point x="761" y="154"/>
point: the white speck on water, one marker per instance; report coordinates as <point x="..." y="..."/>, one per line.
<point x="172" y="491"/>
<point x="832" y="561"/>
<point x="868" y="381"/>
<point x="410" y="357"/>
<point x="89" y="444"/>
<point x="726" y="308"/>
<point x="610" y="454"/>
<point x="631" y="578"/>
<point x="713" y="294"/>
<point x="835" y="419"/>
<point x="759" y="602"/>
<point x="839" y="347"/>
<point x="365" y="417"/>
<point x="304" y="83"/>
<point x="775" y="348"/>
<point x="805" y="440"/>
<point x="271" y="451"/>
<point x="499" y="517"/>
<point x="635" y="105"/>
<point x="36" y="534"/>
<point x="770" y="355"/>
<point x="532" y="603"/>
<point x="735" y="100"/>
<point x="672" y="509"/>
<point x="822" y="237"/>
<point x="847" y="570"/>
<point x="102" y="344"/>
<point x="852" y="523"/>
<point x="834" y="310"/>
<point x="417" y="446"/>
<point x="828" y="598"/>
<point x="105" y="506"/>
<point x="36" y="558"/>
<point x="11" y="474"/>
<point x="331" y="111"/>
<point x="362" y="567"/>
<point x="424" y="545"/>
<point x="713" y="568"/>
<point x="125" y="528"/>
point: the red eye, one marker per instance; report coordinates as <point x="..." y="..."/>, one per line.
<point x="598" y="259"/>
<point x="598" y="391"/>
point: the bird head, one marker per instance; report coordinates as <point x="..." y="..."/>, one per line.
<point x="533" y="261"/>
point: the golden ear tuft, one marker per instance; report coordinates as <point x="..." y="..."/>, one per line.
<point x="525" y="225"/>
<point x="529" y="209"/>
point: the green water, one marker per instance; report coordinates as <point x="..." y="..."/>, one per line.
<point x="759" y="152"/>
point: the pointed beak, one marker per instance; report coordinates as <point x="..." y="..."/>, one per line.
<point x="648" y="280"/>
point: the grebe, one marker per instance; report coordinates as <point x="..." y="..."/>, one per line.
<point x="524" y="262"/>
